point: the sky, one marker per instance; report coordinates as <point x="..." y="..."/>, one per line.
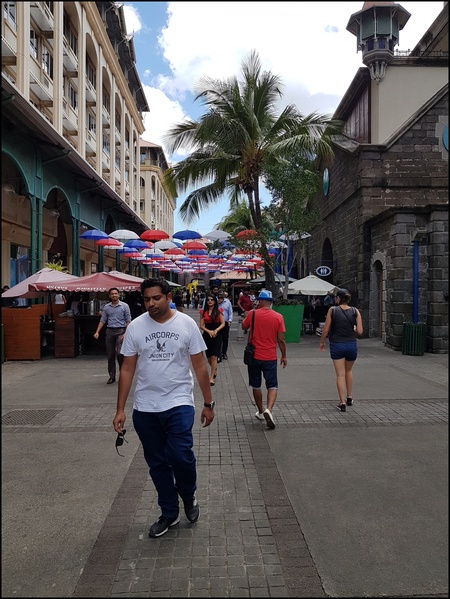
<point x="305" y="43"/>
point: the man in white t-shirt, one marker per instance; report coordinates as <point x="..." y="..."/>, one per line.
<point x="161" y="345"/>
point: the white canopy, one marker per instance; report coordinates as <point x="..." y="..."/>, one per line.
<point x="311" y="285"/>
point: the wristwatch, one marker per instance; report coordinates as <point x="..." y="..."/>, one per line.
<point x="210" y="405"/>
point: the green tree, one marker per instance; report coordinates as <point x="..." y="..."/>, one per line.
<point x="291" y="183"/>
<point x="237" y="137"/>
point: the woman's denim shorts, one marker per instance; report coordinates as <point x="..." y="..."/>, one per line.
<point x="348" y="350"/>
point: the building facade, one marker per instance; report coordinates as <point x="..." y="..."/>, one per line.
<point x="157" y="203"/>
<point x="72" y="106"/>
<point x="384" y="199"/>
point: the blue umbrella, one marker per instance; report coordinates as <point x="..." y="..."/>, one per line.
<point x="136" y="244"/>
<point x="94" y="234"/>
<point x="187" y="234"/>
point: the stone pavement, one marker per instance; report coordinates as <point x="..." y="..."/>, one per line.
<point x="325" y="505"/>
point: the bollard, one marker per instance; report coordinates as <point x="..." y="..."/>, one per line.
<point x="240" y="332"/>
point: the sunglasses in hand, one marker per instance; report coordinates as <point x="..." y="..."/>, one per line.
<point x="119" y="441"/>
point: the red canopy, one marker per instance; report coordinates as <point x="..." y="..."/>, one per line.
<point x="45" y="276"/>
<point x="99" y="281"/>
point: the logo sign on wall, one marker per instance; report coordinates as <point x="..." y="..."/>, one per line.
<point x="323" y="271"/>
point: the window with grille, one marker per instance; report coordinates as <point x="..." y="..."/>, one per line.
<point x="47" y="62"/>
<point x="10" y="13"/>
<point x="34" y="44"/>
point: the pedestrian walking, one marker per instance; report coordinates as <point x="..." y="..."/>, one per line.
<point x="211" y="324"/>
<point x="244" y="303"/>
<point x="342" y="324"/>
<point x="162" y="345"/>
<point x="178" y="301"/>
<point x="116" y="316"/>
<point x="227" y="308"/>
<point x="267" y="332"/>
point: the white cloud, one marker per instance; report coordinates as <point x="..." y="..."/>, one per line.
<point x="164" y="112"/>
<point x="305" y="43"/>
<point x="132" y="18"/>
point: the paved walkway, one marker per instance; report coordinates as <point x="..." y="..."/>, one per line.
<point x="325" y="505"/>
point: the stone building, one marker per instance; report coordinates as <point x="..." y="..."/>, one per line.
<point x="384" y="199"/>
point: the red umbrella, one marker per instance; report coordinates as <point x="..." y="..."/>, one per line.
<point x="193" y="245"/>
<point x="246" y="234"/>
<point x="154" y="235"/>
<point x="110" y="242"/>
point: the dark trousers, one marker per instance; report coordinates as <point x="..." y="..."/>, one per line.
<point x="225" y="338"/>
<point x="167" y="442"/>
<point x="113" y="342"/>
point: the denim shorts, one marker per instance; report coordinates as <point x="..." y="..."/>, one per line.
<point x="266" y="369"/>
<point x="348" y="350"/>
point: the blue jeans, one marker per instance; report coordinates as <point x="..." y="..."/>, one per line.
<point x="167" y="442"/>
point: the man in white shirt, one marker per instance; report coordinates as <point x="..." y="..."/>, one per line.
<point x="161" y="345"/>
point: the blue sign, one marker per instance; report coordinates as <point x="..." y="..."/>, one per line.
<point x="323" y="271"/>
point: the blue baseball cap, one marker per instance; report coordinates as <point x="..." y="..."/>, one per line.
<point x="265" y="294"/>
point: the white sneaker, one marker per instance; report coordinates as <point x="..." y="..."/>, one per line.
<point x="259" y="416"/>
<point x="269" y="418"/>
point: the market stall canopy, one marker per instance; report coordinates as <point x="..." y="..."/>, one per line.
<point x="234" y="274"/>
<point x="45" y="275"/>
<point x="311" y="285"/>
<point x="96" y="282"/>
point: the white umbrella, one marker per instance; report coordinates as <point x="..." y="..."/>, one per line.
<point x="123" y="234"/>
<point x="164" y="244"/>
<point x="311" y="285"/>
<point x="217" y="235"/>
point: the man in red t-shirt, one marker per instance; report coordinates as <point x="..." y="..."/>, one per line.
<point x="268" y="332"/>
<point x="244" y="302"/>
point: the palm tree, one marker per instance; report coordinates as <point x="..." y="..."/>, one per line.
<point x="237" y="136"/>
<point x="239" y="218"/>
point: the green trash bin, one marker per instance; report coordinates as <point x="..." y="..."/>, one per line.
<point x="413" y="343"/>
<point x="293" y="321"/>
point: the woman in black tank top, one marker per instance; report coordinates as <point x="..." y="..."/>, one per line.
<point x="342" y="325"/>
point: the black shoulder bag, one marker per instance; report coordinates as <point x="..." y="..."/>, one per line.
<point x="249" y="351"/>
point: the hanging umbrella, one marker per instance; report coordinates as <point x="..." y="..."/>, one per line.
<point x="193" y="245"/>
<point x="153" y="253"/>
<point x="124" y="234"/>
<point x="246" y="234"/>
<point x="173" y="252"/>
<point x="135" y="244"/>
<point x="217" y="235"/>
<point x="311" y="285"/>
<point x="94" y="234"/>
<point x="164" y="244"/>
<point x="154" y="235"/>
<point x="109" y="243"/>
<point x="197" y="253"/>
<point x="186" y="234"/>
